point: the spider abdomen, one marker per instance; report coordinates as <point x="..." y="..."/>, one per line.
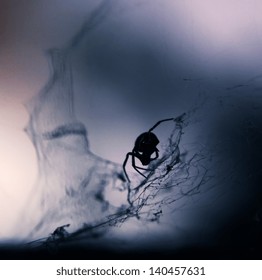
<point x="146" y="141"/>
<point x="145" y="146"/>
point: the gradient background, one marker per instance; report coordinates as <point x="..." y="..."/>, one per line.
<point x="146" y="61"/>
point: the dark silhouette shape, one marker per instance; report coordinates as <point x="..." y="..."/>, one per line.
<point x="145" y="147"/>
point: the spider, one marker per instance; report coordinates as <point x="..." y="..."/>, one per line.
<point x="144" y="148"/>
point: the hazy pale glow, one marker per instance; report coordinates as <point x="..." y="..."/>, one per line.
<point x="17" y="165"/>
<point x="226" y="22"/>
<point x="222" y="32"/>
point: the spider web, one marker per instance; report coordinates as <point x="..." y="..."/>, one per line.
<point x="69" y="199"/>
<point x="72" y="183"/>
<point x="72" y="199"/>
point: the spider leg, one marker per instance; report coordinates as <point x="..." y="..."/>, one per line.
<point x="165" y="120"/>
<point x="137" y="167"/>
<point x="146" y="169"/>
<point x="157" y="155"/>
<point x="124" y="165"/>
<point x="133" y="164"/>
<point x="159" y="122"/>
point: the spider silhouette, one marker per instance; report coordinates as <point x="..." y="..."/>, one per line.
<point x="144" y="148"/>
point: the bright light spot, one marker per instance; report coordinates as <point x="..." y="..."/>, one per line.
<point x="221" y="32"/>
<point x="17" y="164"/>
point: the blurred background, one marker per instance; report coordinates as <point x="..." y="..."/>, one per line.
<point x="145" y="61"/>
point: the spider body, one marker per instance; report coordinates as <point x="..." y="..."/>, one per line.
<point x="145" y="146"/>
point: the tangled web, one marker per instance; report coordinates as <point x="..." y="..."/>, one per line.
<point x="72" y="186"/>
<point x="73" y="182"/>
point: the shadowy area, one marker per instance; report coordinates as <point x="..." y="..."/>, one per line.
<point x="249" y="247"/>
